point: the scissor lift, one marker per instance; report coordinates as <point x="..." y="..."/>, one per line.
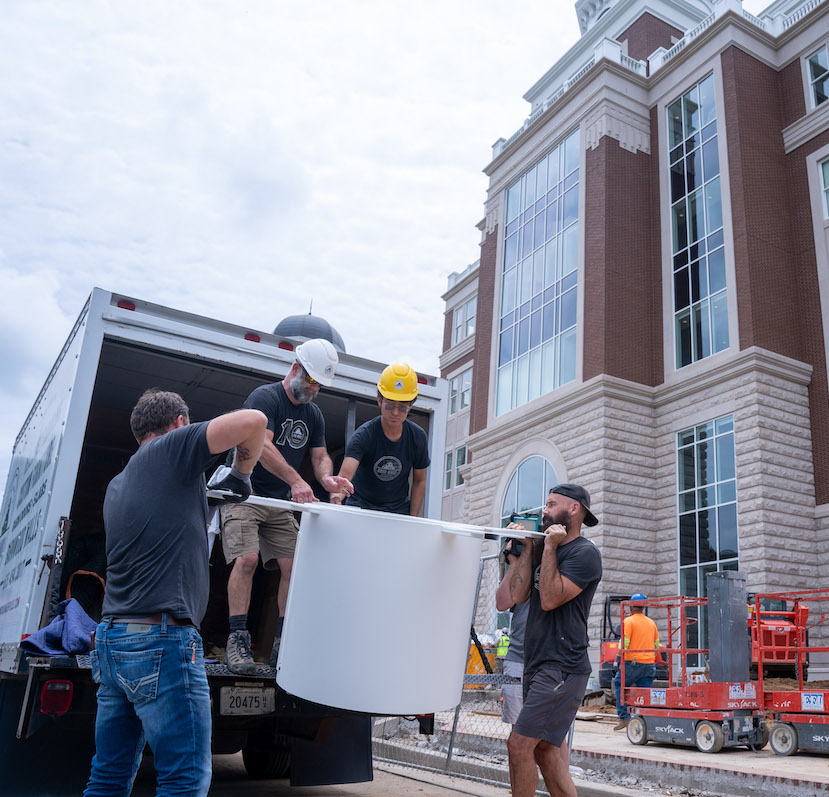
<point x="801" y="719"/>
<point x="708" y="715"/>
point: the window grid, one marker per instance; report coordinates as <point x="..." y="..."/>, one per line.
<point x="699" y="283"/>
<point x="460" y="459"/>
<point x="707" y="511"/>
<point x="824" y="176"/>
<point x="818" y="66"/>
<point x="460" y="391"/>
<point x="465" y="320"/>
<point x="537" y="338"/>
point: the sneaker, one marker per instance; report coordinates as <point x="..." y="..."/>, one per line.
<point x="275" y="652"/>
<point x="238" y="655"/>
<point x="621" y="724"/>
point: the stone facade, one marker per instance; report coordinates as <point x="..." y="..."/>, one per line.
<point x="614" y="427"/>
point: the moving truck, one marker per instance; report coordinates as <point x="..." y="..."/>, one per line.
<point x="74" y="440"/>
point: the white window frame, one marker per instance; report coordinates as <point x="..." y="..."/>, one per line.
<point x="823" y="168"/>
<point x="460" y="461"/>
<point x="813" y="103"/>
<point x="464" y="320"/>
<point x="453" y="462"/>
<point x="460" y="386"/>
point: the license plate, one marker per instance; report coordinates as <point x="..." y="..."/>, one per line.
<point x="246" y="700"/>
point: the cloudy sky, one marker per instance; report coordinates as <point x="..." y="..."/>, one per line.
<point x="240" y="159"/>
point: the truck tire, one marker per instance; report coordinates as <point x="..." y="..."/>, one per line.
<point x="783" y="738"/>
<point x="709" y="736"/>
<point x="266" y="758"/>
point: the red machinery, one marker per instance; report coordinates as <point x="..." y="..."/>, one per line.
<point x="801" y="719"/>
<point x="708" y="715"/>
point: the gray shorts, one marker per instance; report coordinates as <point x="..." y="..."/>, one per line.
<point x="551" y="700"/>
<point x="512" y="694"/>
<point x="258" y="529"/>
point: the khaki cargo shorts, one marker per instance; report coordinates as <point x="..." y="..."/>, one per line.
<point x="258" y="529"/>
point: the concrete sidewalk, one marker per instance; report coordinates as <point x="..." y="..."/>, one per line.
<point x="735" y="771"/>
<point x="738" y="772"/>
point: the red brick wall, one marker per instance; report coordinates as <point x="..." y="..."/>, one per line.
<point x="646" y="34"/>
<point x="623" y="274"/>
<point x="447" y="330"/>
<point x="792" y="93"/>
<point x="776" y="269"/>
<point x="487" y="275"/>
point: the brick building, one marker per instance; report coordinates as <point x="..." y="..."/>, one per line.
<point x="648" y="316"/>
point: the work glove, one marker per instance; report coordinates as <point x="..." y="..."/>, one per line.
<point x="236" y="485"/>
<point x="616" y="666"/>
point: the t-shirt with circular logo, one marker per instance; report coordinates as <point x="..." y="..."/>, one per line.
<point x="382" y="478"/>
<point x="296" y="428"/>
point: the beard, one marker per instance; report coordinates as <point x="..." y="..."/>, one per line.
<point x="560" y="518"/>
<point x="303" y="393"/>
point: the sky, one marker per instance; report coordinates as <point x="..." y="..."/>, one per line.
<point x="241" y="159"/>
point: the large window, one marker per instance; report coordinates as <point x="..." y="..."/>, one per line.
<point x="460" y="391"/>
<point x="699" y="285"/>
<point x="527" y="490"/>
<point x="465" y="320"/>
<point x="537" y="338"/>
<point x="818" y="76"/>
<point x="707" y="508"/>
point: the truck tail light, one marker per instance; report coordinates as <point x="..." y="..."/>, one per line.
<point x="423" y="380"/>
<point x="286" y="346"/>
<point x="252" y="337"/>
<point x="125" y="304"/>
<point x="56" y="697"/>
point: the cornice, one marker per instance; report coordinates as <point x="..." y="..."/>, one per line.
<point x="558" y="403"/>
<point x="806" y="128"/>
<point x="611" y="119"/>
<point x="471" y="277"/>
<point x="460" y="349"/>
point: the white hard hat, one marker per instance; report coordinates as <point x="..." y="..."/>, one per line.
<point x="319" y="358"/>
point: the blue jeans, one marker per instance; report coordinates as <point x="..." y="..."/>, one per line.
<point x="635" y="675"/>
<point x="153" y="688"/>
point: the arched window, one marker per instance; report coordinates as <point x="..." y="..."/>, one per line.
<point x="527" y="490"/>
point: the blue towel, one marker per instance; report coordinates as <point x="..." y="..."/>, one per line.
<point x="67" y="635"/>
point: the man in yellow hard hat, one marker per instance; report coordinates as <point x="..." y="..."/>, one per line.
<point x="383" y="451"/>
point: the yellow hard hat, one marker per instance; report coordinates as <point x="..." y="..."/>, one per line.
<point x="398" y="382"/>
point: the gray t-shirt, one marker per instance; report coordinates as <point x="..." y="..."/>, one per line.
<point x="382" y="479"/>
<point x="296" y="428"/>
<point x="517" y="627"/>
<point x="558" y="638"/>
<point x="155" y="518"/>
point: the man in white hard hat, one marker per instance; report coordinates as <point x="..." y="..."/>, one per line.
<point x="295" y="426"/>
<point x="383" y="452"/>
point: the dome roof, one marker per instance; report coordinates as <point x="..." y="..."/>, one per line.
<point x="305" y="327"/>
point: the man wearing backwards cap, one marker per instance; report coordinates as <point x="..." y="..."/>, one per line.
<point x="640" y="635"/>
<point x="559" y="576"/>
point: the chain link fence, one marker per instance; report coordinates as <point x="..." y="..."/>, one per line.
<point x="469" y="741"/>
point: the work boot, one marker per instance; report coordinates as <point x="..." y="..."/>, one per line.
<point x="274" y="652"/>
<point x="238" y="655"/>
<point x="621" y="724"/>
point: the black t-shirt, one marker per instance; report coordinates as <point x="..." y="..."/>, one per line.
<point x="296" y="428"/>
<point x="558" y="638"/>
<point x="382" y="479"/>
<point x="155" y="518"/>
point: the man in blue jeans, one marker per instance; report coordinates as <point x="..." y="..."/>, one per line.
<point x="148" y="658"/>
<point x="640" y="641"/>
